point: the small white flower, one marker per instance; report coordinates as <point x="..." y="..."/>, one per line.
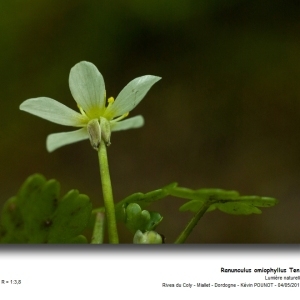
<point x="95" y="118"/>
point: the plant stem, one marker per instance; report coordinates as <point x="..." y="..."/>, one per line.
<point x="107" y="195"/>
<point x="192" y="223"/>
<point x="98" y="232"/>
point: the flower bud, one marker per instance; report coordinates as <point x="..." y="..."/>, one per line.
<point x="149" y="237"/>
<point x="105" y="130"/>
<point x="94" y="132"/>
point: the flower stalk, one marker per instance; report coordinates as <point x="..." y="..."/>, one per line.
<point x="98" y="232"/>
<point x="107" y="195"/>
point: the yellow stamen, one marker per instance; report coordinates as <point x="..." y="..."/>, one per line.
<point x="121" y="117"/>
<point x="81" y="110"/>
<point x="110" y="101"/>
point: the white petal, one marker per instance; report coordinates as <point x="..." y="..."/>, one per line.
<point x="57" y="140"/>
<point x="53" y="111"/>
<point x="130" y="96"/>
<point x="134" y="122"/>
<point x="88" y="89"/>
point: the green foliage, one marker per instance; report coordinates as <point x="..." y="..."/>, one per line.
<point x="142" y="199"/>
<point x="138" y="219"/>
<point x="36" y="215"/>
<point x="226" y="201"/>
<point x="130" y="210"/>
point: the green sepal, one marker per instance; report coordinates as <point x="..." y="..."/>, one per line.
<point x="36" y="215"/>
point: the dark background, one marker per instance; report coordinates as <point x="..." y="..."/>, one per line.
<point x="226" y="113"/>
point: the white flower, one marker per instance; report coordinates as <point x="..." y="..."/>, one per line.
<point x="95" y="118"/>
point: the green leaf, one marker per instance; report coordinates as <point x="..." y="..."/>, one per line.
<point x="226" y="201"/>
<point x="193" y="205"/>
<point x="238" y="208"/>
<point x="80" y="239"/>
<point x="70" y="218"/>
<point x="142" y="199"/>
<point x="259" y="201"/>
<point x="11" y="223"/>
<point x="138" y="219"/>
<point x="155" y="219"/>
<point x="201" y="194"/>
<point x="36" y="215"/>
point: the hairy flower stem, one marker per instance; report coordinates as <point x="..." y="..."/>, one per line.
<point x="108" y="195"/>
<point x="98" y="232"/>
<point x="192" y="223"/>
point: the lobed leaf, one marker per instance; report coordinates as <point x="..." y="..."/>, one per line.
<point x="138" y="219"/>
<point x="201" y="194"/>
<point x="36" y="215"/>
<point x="226" y="201"/>
<point x="142" y="199"/>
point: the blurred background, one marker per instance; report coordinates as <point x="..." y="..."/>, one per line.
<point x="226" y="113"/>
